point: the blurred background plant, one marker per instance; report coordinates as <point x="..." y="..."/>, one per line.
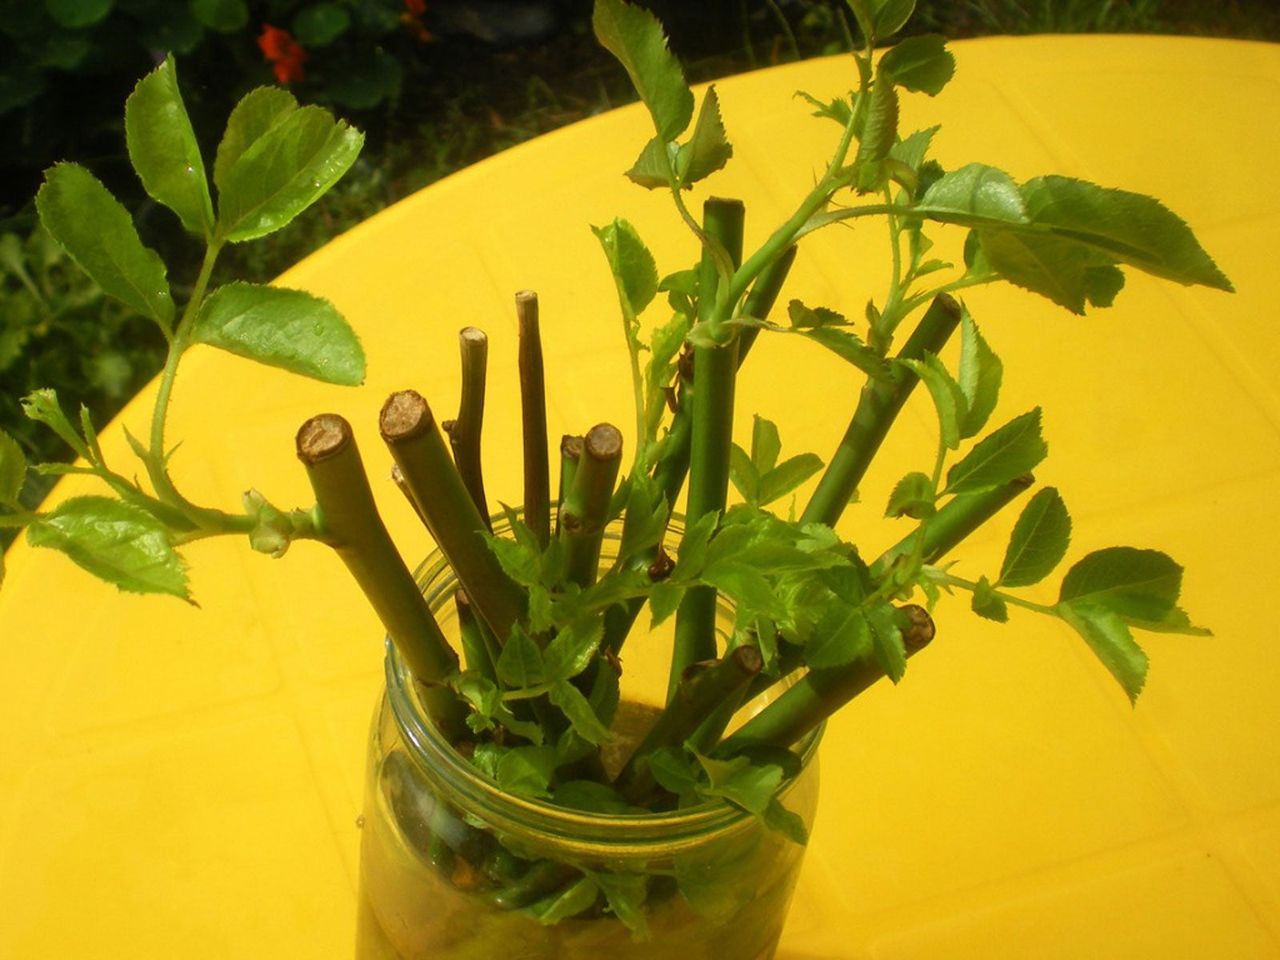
<point x="435" y="84"/>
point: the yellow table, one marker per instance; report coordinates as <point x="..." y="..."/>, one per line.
<point x="181" y="782"/>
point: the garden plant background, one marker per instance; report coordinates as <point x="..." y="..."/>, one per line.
<point x="436" y="84"/>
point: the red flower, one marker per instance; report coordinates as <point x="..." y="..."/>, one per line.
<point x="284" y="53"/>
<point x="416" y="7"/>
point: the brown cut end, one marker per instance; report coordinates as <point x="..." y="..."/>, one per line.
<point x="322" y="437"/>
<point x="725" y="203"/>
<point x="1026" y="480"/>
<point x="571" y="446"/>
<point x="404" y="415"/>
<point x="920" y="628"/>
<point x="472" y="336"/>
<point x="527" y="300"/>
<point x="603" y="442"/>
<point x="949" y="304"/>
<point x="748" y="659"/>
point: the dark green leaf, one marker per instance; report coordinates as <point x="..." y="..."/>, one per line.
<point x="886" y="640"/>
<point x="879" y="134"/>
<point x="1039" y="540"/>
<point x="766" y="444"/>
<point x="803" y="317"/>
<point x="573" y="649"/>
<point x="1001" y="456"/>
<point x="635" y="37"/>
<point x="98" y="234"/>
<point x="625" y="894"/>
<point x="1143" y="584"/>
<point x="653" y="168"/>
<point x="283" y="172"/>
<point x="1111" y="642"/>
<point x="13" y="470"/>
<point x="116" y="542"/>
<point x="224" y="16"/>
<point x="578" y="709"/>
<point x="163" y="149"/>
<point x="257" y="112"/>
<point x="981" y="373"/>
<point x="921" y="64"/>
<point x="672" y="771"/>
<point x="320" y="24"/>
<point x="708" y="149"/>
<point x="76" y="14"/>
<point x="664" y="600"/>
<point x="842" y="636"/>
<point x="368" y="76"/>
<point x="283" y="328"/>
<point x="849" y="346"/>
<point x="743" y="475"/>
<point x="527" y="771"/>
<point x="788" y="475"/>
<point x="566" y="903"/>
<point x="974" y="194"/>
<point x="1061" y="269"/>
<point x="987" y="604"/>
<point x="912" y="496"/>
<point x="890" y="16"/>
<point x="520" y="663"/>
<point x="1126" y="227"/>
<point x="789" y="824"/>
<point x="592" y="797"/>
<point x="948" y="399"/>
<point x="634" y="270"/>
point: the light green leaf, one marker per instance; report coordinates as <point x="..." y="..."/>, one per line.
<point x="1175" y="621"/>
<point x="578" y="709"/>
<point x="842" y="636"/>
<point x="879" y="134"/>
<point x="567" y="903"/>
<point x="981" y="373"/>
<point x="1039" y="541"/>
<point x="837" y="109"/>
<point x="13" y="470"/>
<point x="634" y="270"/>
<point x="635" y="37"/>
<point x="257" y="112"/>
<point x="77" y="14"/>
<point x="1143" y="584"/>
<point x="708" y="149"/>
<point x="42" y="406"/>
<point x="746" y="586"/>
<point x="788" y="475"/>
<point x="766" y="444"/>
<point x="98" y="234"/>
<point x="1064" y="270"/>
<point x="224" y="16"/>
<point x="1001" y="456"/>
<point x="912" y="150"/>
<point x="912" y="496"/>
<point x="626" y="894"/>
<point x="804" y="317"/>
<point x="527" y="771"/>
<point x="573" y="649"/>
<point x="1125" y="227"/>
<point x="747" y="785"/>
<point x="320" y="24"/>
<point x="948" y="399"/>
<point x="974" y="194"/>
<point x="283" y="172"/>
<point x="655" y="165"/>
<point x="664" y="600"/>
<point x="520" y="663"/>
<point x="163" y="149"/>
<point x="283" y="328"/>
<point x="921" y="64"/>
<point x="116" y="542"/>
<point x="520" y="563"/>
<point x="987" y="604"/>
<point x="886" y="640"/>
<point x="1111" y="642"/>
<point x="849" y="346"/>
<point x="743" y="475"/>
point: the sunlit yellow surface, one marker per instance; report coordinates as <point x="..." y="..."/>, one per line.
<point x="182" y="782"/>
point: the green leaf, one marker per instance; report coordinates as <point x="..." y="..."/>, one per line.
<point x="1061" y="269"/>
<point x="913" y="496"/>
<point x="789" y="824"/>
<point x="987" y="604"/>
<point x="741" y="782"/>
<point x="573" y="649"/>
<point x="886" y="640"/>
<point x="635" y="37"/>
<point x="849" y="346"/>
<point x="527" y="771"/>
<point x="803" y="317"/>
<point x="890" y="16"/>
<point x="224" y="16"/>
<point x="708" y="149"/>
<point x="879" y="134"/>
<point x="1001" y="456"/>
<point x="1143" y="584"/>
<point x="745" y="585"/>
<point x="567" y="903"/>
<point x="1126" y="227"/>
<point x="653" y="168"/>
<point x="837" y="109"/>
<point x="77" y="14"/>
<point x="578" y="709"/>
<point x="284" y="171"/>
<point x="519" y="562"/>
<point x="743" y="475"/>
<point x="948" y="399"/>
<point x="163" y="149"/>
<point x="520" y="663"/>
<point x="13" y="470"/>
<point x="291" y="329"/>
<point x="921" y="64"/>
<point x="591" y="796"/>
<point x="634" y="270"/>
<point x="1039" y="541"/>
<point x="766" y="444"/>
<point x="320" y="24"/>
<point x="974" y="194"/>
<point x="981" y="373"/>
<point x="912" y="150"/>
<point x="1175" y="621"/>
<point x="116" y="542"/>
<point x="788" y="475"/>
<point x="257" y="112"/>
<point x="42" y="406"/>
<point x="673" y="771"/>
<point x="626" y="894"/>
<point x="1111" y="642"/>
<point x="664" y="600"/>
<point x="842" y="636"/>
<point x="98" y="234"/>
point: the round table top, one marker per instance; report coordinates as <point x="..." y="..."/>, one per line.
<point x="181" y="781"/>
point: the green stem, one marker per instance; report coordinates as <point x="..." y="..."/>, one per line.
<point x="820" y="693"/>
<point x="586" y="511"/>
<point x="570" y="457"/>
<point x="878" y="407"/>
<point x="411" y="433"/>
<point x="349" y="522"/>
<point x="533" y="408"/>
<point x="942" y="578"/>
<point x="464" y="432"/>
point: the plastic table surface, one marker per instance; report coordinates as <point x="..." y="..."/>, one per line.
<point x="185" y="782"/>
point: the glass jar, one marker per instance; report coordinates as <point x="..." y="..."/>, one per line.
<point x="454" y="868"/>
